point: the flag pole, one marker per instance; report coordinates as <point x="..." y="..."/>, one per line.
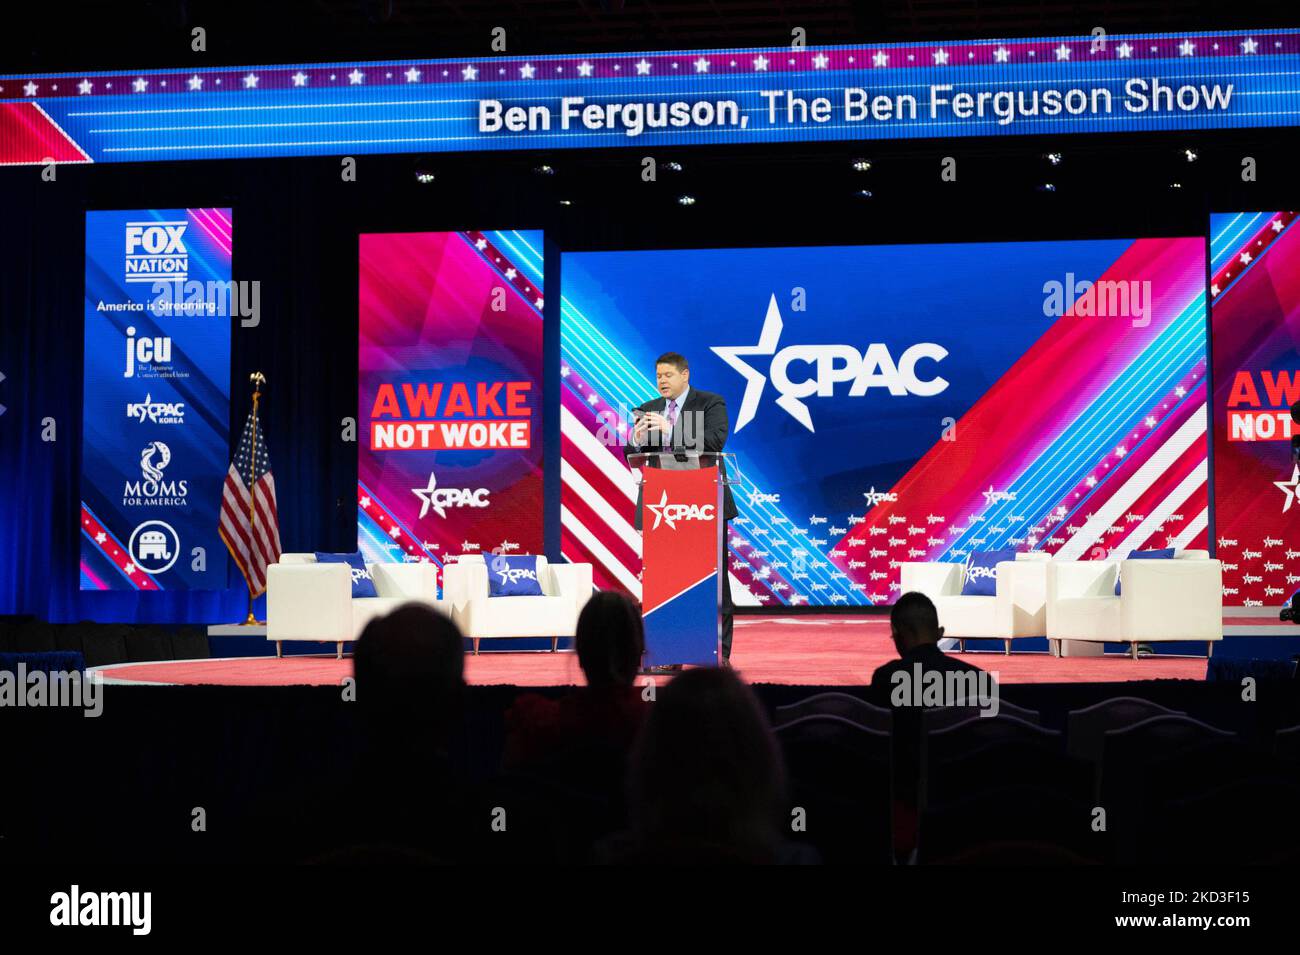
<point x="258" y="379"/>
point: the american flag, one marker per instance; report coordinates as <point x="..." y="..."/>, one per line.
<point x="253" y="543"/>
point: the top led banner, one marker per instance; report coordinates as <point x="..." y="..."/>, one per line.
<point x="1059" y="85"/>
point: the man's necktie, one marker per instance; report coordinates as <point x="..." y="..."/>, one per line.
<point x="672" y="418"/>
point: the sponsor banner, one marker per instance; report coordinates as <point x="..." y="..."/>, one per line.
<point x="1255" y="324"/>
<point x="156" y="407"/>
<point x="899" y="403"/>
<point x="450" y="400"/>
<point x="1033" y="86"/>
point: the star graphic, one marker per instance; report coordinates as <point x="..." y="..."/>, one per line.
<point x="527" y="71"/>
<point x="140" y="84"/>
<point x="84" y="87"/>
<point x="29" y="89"/>
<point x="425" y="494"/>
<point x="195" y="82"/>
<point x="356" y="77"/>
<point x="412" y="75"/>
<point x="1062" y="52"/>
<point x="760" y="64"/>
<point x="1186" y="48"/>
<point x="1124" y="51"/>
<point x="364" y="502"/>
<point x="1289" y="488"/>
<point x="394" y="532"/>
<point x="510" y="273"/>
<point x="128" y="568"/>
<point x="701" y="65"/>
<point x="880" y="58"/>
<point x="642" y="67"/>
<point x="1276" y="225"/>
<point x="470" y="72"/>
<point x="1090" y="481"/>
<point x="299" y="78"/>
<point x="1249" y="45"/>
<point x="101" y="537"/>
<point x="584" y="68"/>
<point x="1001" y="55"/>
<point x="250" y="81"/>
<point x="755" y="381"/>
<point x="658" y="511"/>
<point x="941" y="56"/>
<point x="820" y="61"/>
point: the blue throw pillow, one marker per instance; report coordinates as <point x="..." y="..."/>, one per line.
<point x="982" y="572"/>
<point x="513" y="576"/>
<point x="1166" y="553"/>
<point x="363" y="585"/>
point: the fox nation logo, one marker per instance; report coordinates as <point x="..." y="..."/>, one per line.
<point x="155" y="252"/>
<point x="670" y="514"/>
<point x="831" y="365"/>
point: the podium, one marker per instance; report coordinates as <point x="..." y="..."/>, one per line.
<point x="682" y="553"/>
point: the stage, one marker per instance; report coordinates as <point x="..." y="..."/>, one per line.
<point x="812" y="650"/>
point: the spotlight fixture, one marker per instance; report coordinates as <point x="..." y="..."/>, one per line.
<point x="863" y="194"/>
<point x="1191" y="155"/>
<point x="1175" y="185"/>
<point x="544" y="170"/>
<point x="686" y="200"/>
<point x="566" y="202"/>
<point x="1047" y="187"/>
<point x="424" y="176"/>
<point x="1054" y="158"/>
<point x="862" y="165"/>
<point x="673" y="166"/>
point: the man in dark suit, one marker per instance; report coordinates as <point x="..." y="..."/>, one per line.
<point x="686" y="419"/>
<point x="914" y="627"/>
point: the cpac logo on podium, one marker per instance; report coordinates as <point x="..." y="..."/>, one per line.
<point x="670" y="514"/>
<point x="830" y="365"/>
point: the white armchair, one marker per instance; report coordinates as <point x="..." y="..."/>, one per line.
<point x="1016" y="611"/>
<point x="310" y="601"/>
<point x="1160" y="600"/>
<point x="566" y="588"/>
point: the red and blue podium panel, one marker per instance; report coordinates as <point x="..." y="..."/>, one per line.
<point x="681" y="523"/>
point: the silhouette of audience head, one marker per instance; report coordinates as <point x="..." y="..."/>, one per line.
<point x="610" y="640"/>
<point x="410" y="673"/>
<point x="706" y="778"/>
<point x="914" y="622"/>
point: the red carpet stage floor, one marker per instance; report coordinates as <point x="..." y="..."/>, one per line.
<point x="831" y="650"/>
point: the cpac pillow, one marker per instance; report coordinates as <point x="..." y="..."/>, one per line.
<point x="1166" y="553"/>
<point x="363" y="585"/>
<point x="513" y="576"/>
<point x="982" y="572"/>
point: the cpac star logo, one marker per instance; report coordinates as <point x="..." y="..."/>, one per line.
<point x="830" y="365"/>
<point x="875" y="497"/>
<point x="439" y="499"/>
<point x="992" y="497"/>
<point x="1290" y="488"/>
<point x="670" y="514"/>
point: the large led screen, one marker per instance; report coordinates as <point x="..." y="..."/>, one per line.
<point x="899" y="403"/>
